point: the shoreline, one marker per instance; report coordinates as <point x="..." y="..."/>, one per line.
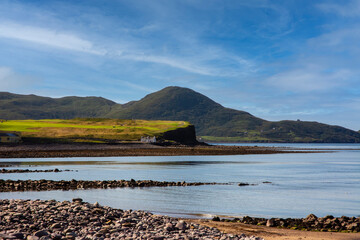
<point x="115" y="150"/>
<point x="273" y="233"/>
<point x="50" y="219"/>
<point x="33" y="219"/>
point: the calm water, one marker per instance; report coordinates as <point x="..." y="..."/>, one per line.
<point x="319" y="183"/>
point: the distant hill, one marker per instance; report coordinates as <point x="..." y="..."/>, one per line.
<point x="213" y="122"/>
<point x="16" y="106"/>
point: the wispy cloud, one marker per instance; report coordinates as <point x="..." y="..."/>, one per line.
<point x="309" y="78"/>
<point x="198" y="64"/>
<point x="47" y="37"/>
<point x="342" y="8"/>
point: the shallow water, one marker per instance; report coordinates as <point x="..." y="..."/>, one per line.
<point x="319" y="183"/>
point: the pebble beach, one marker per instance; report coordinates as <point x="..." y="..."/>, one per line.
<point x="50" y="219"/>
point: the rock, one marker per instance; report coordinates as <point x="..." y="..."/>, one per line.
<point x="6" y="236"/>
<point x="70" y="235"/>
<point x="45" y="238"/>
<point x="216" y="219"/>
<point x="66" y="220"/>
<point x="243" y="184"/>
<point x="310" y="218"/>
<point x="18" y="235"/>
<point x="169" y="227"/>
<point x="56" y="236"/>
<point x="77" y="200"/>
<point x="270" y="223"/>
<point x="56" y="226"/>
<point x="181" y="225"/>
<point x="352" y="226"/>
<point x="41" y="233"/>
<point x="32" y="238"/>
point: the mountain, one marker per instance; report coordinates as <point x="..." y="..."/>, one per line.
<point x="176" y="103"/>
<point x="213" y="122"/>
<point x="216" y="123"/>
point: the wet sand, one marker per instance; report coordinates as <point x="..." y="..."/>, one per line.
<point x="270" y="233"/>
<point x="107" y="150"/>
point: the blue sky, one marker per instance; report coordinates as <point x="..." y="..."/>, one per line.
<point x="275" y="59"/>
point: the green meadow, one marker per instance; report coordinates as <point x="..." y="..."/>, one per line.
<point x="88" y="129"/>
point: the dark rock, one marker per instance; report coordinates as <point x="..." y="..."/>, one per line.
<point x="270" y="223"/>
<point x="169" y="227"/>
<point x="216" y="219"/>
<point x="18" y="235"/>
<point x="77" y="200"/>
<point x="41" y="233"/>
<point x="243" y="184"/>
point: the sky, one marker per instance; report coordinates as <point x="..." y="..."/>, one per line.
<point x="283" y="59"/>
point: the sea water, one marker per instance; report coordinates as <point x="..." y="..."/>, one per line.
<point x="300" y="183"/>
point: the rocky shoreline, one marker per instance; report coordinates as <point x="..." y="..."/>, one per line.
<point x="48" y="185"/>
<point x="56" y="170"/>
<point x="113" y="150"/>
<point x="310" y="223"/>
<point x="45" y="220"/>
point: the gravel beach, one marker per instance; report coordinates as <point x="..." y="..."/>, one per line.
<point x="44" y="220"/>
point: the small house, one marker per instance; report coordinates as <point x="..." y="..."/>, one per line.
<point x="12" y="137"/>
<point x="148" y="139"/>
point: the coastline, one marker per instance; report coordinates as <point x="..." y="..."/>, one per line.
<point x="35" y="219"/>
<point x="273" y="233"/>
<point x="131" y="149"/>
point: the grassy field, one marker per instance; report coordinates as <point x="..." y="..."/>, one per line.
<point x="88" y="129"/>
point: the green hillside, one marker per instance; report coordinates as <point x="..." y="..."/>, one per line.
<point x="89" y="129"/>
<point x="175" y="103"/>
<point x="16" y="106"/>
<point x="213" y="122"/>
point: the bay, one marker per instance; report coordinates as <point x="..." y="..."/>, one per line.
<point x="301" y="183"/>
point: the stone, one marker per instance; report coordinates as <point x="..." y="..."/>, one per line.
<point x="70" y="235"/>
<point x="56" y="226"/>
<point x="310" y="218"/>
<point x="6" y="236"/>
<point x="169" y="227"/>
<point x="32" y="238"/>
<point x="41" y="233"/>
<point x="66" y="220"/>
<point x="77" y="200"/>
<point x="181" y="225"/>
<point x="243" y="184"/>
<point x="270" y="222"/>
<point x="18" y="235"/>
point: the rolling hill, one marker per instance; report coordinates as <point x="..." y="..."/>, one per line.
<point x="213" y="122"/>
<point x="16" y="106"/>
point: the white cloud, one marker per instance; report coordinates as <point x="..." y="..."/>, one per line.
<point x="309" y="79"/>
<point x="197" y="63"/>
<point x="47" y="37"/>
<point x="352" y="9"/>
